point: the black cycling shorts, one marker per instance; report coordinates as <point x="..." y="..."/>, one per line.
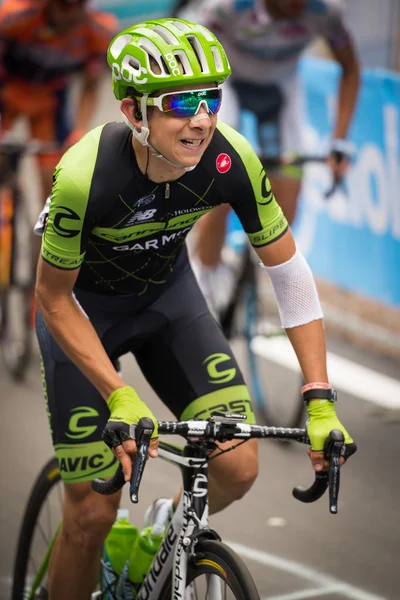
<point x="180" y="349"/>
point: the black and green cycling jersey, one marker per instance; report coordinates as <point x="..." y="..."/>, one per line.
<point x="126" y="232"/>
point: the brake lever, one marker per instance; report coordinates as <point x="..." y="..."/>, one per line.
<point x="334" y="449"/>
<point x="142" y="435"/>
<point x="338" y="181"/>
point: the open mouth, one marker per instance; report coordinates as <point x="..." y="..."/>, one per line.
<point x="192" y="143"/>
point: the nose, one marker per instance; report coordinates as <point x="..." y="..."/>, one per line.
<point x="201" y="119"/>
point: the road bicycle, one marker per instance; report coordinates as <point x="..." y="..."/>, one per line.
<point x="17" y="257"/>
<point x="246" y="317"/>
<point x="192" y="562"/>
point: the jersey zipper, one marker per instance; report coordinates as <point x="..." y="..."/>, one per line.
<point x="167" y="192"/>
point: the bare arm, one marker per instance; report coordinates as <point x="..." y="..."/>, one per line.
<point x="72" y="329"/>
<point x="87" y="100"/>
<point x="348" y="88"/>
<point x="307" y="340"/>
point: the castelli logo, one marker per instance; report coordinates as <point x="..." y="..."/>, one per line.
<point x="223" y="163"/>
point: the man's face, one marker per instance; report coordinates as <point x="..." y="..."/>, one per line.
<point x="292" y="9"/>
<point x="182" y="140"/>
<point x="66" y="15"/>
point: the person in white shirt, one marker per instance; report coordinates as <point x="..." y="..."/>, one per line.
<point x="264" y="40"/>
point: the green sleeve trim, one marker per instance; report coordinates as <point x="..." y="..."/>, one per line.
<point x="65" y="264"/>
<point x="271" y="234"/>
<point x="270" y="220"/>
<point x="233" y="399"/>
<point x="64" y="238"/>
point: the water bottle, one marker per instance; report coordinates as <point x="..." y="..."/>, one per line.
<point x="143" y="551"/>
<point x="117" y="548"/>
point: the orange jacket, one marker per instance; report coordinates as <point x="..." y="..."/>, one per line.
<point x="32" y="52"/>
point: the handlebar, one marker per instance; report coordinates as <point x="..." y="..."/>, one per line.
<point x="141" y="433"/>
<point x="271" y="162"/>
<point x="12" y="146"/>
<point x="221" y="428"/>
<point x="12" y="151"/>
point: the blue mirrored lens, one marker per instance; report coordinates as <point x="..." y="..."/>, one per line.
<point x="186" y="104"/>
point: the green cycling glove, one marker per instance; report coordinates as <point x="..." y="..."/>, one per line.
<point x="322" y="419"/>
<point x="126" y="409"/>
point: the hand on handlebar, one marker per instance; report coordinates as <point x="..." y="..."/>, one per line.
<point x="322" y="420"/>
<point x="340" y="158"/>
<point x="338" y="167"/>
<point x="126" y="409"/>
<point x="223" y="429"/>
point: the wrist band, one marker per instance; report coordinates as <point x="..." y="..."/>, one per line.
<point x="317" y="385"/>
<point x="343" y="146"/>
<point x="329" y="394"/>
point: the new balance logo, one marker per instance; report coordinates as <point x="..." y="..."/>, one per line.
<point x="141" y="216"/>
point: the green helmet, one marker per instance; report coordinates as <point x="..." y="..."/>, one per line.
<point x="184" y="52"/>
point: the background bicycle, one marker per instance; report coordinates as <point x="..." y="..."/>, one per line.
<point x="18" y="256"/>
<point x="249" y="319"/>
<point x="366" y="563"/>
<point x="198" y="549"/>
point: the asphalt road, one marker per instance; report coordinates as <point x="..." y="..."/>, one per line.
<point x="294" y="551"/>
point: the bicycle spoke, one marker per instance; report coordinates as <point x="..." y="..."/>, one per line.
<point x="209" y="587"/>
<point x="38" y="550"/>
<point x="33" y="564"/>
<point x="46" y="539"/>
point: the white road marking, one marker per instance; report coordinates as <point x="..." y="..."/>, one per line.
<point x="276" y="522"/>
<point x="310" y="593"/>
<point x="345" y="375"/>
<point x="303" y="572"/>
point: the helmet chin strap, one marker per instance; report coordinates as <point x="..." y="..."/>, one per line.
<point x="143" y="135"/>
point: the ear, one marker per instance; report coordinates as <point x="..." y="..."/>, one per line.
<point x="130" y="108"/>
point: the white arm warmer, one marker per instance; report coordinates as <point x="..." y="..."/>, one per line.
<point x="295" y="291"/>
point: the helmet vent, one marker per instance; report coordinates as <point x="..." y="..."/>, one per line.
<point x="183" y="62"/>
<point x="199" y="52"/>
<point x="153" y="52"/>
<point x="133" y="62"/>
<point x="164" y="65"/>
<point x="166" y="35"/>
<point x="207" y="34"/>
<point x="119" y="44"/>
<point x="180" y="25"/>
<point x="219" y="65"/>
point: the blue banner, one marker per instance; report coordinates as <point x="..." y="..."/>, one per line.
<point x="352" y="239"/>
<point x="132" y="11"/>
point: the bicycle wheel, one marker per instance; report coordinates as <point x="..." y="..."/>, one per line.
<point x="276" y="393"/>
<point x="216" y="573"/>
<point x="37" y="534"/>
<point x="247" y="322"/>
<point x="16" y="291"/>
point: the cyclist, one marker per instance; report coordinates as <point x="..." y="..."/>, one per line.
<point x="43" y="43"/>
<point x="264" y="40"/>
<point x="114" y="277"/>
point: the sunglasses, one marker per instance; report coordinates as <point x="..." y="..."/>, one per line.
<point x="187" y="104"/>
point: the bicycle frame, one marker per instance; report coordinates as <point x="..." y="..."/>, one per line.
<point x="189" y="524"/>
<point x="190" y="517"/>
<point x="191" y="514"/>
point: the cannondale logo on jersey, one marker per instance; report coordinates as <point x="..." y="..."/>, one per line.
<point x="65" y="213"/>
